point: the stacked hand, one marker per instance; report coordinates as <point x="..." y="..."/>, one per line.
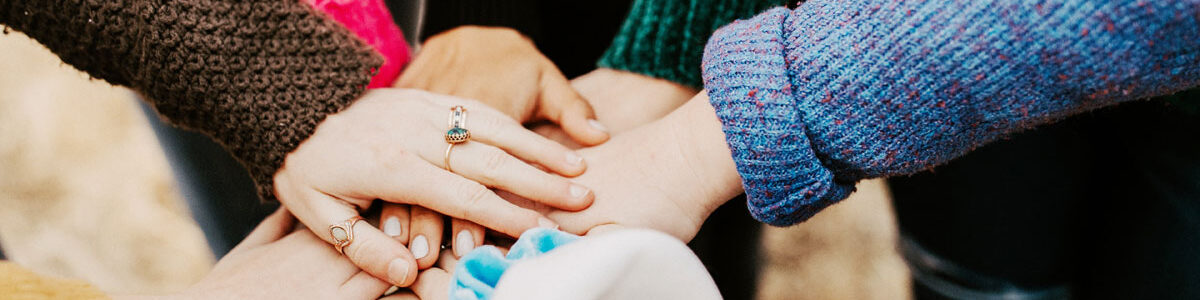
<point x="505" y="71"/>
<point x="392" y="145"/>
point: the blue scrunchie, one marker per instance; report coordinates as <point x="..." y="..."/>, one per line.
<point x="477" y="273"/>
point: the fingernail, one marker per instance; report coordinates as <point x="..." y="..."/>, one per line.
<point x="391" y="226"/>
<point x="596" y="124"/>
<point x="578" y="191"/>
<point x="463" y="243"/>
<point x="398" y="271"/>
<point x="391" y="290"/>
<point x="543" y="222"/>
<point x="574" y="159"/>
<point x="419" y="247"/>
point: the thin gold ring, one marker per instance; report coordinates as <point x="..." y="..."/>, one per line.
<point x="448" y="148"/>
<point x="343" y="234"/>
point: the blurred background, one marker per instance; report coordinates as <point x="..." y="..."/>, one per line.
<point x="88" y="193"/>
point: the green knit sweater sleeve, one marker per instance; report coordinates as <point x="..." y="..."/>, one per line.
<point x="665" y="38"/>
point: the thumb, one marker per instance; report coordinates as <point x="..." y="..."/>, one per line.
<point x="561" y="104"/>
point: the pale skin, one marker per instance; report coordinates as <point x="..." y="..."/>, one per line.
<point x="503" y="69"/>
<point x="393" y="141"/>
<point x="625" y="178"/>
<point x="279" y="261"/>
<point x="389" y="146"/>
<point x="668" y="175"/>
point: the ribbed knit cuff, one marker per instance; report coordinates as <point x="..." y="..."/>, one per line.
<point x="746" y="75"/>
<point x="665" y="38"/>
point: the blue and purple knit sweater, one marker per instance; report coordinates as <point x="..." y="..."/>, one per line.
<point x="814" y="99"/>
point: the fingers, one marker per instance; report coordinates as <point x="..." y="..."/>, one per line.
<point x="467" y="236"/>
<point x="425" y="238"/>
<point x="455" y="196"/>
<point x="402" y="295"/>
<point x="363" y="286"/>
<point x="504" y="133"/>
<point x="272" y="228"/>
<point x="371" y="250"/>
<point x="561" y="104"/>
<point x="447" y="261"/>
<point x="493" y="167"/>
<point x="432" y="285"/>
<point x="394" y="221"/>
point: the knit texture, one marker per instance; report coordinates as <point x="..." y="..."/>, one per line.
<point x="257" y="76"/>
<point x="371" y="21"/>
<point x="814" y="99"/>
<point x="665" y="38"/>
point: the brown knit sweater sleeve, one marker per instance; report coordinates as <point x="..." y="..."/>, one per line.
<point x="256" y="75"/>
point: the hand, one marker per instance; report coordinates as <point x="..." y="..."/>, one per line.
<point x="668" y="175"/>
<point x="421" y="230"/>
<point x="623" y="101"/>
<point x="433" y="282"/>
<point x="504" y="70"/>
<point x="389" y="145"/>
<point x="276" y="262"/>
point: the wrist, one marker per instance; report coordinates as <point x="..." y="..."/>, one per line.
<point x="696" y="131"/>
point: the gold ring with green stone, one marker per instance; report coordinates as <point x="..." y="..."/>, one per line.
<point x="458" y="132"/>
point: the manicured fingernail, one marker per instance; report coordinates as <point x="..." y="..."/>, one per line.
<point x="596" y="124"/>
<point x="391" y="290"/>
<point x="419" y="247"/>
<point x="574" y="159"/>
<point x="578" y="191"/>
<point x="543" y="222"/>
<point x="391" y="227"/>
<point x="398" y="271"/>
<point x="463" y="242"/>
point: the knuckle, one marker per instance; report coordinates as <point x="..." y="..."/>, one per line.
<point x="390" y="158"/>
<point x="474" y="196"/>
<point x="361" y="250"/>
<point x="493" y="164"/>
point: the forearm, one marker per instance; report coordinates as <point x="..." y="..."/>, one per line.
<point x="257" y="76"/>
<point x="706" y="158"/>
<point x="817" y="98"/>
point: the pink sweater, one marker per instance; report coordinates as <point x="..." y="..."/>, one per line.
<point x="371" y="21"/>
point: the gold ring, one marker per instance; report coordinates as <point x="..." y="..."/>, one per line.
<point x="448" y="148"/>
<point x="343" y="234"/>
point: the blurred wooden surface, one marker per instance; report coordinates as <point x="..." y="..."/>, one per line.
<point x="85" y="193"/>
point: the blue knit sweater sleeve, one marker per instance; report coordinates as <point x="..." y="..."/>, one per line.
<point x="814" y="99"/>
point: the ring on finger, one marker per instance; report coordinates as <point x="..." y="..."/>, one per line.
<point x="457" y="133"/>
<point x="343" y="234"/>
